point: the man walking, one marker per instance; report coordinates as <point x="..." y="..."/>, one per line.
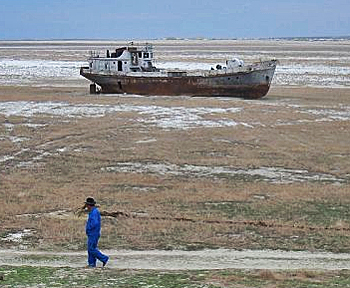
<point x="93" y="232"/>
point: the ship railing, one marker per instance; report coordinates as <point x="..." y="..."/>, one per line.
<point x="145" y="47"/>
<point x="225" y="71"/>
<point x="94" y="54"/>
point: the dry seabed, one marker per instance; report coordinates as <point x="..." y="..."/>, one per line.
<point x="225" y="163"/>
<point x="178" y="117"/>
<point x="172" y="118"/>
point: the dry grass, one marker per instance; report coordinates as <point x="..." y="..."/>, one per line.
<point x="267" y="275"/>
<point x="62" y="180"/>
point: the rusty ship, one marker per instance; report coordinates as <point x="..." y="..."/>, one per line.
<point x="130" y="70"/>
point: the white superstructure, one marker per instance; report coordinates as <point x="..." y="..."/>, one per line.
<point x="125" y="59"/>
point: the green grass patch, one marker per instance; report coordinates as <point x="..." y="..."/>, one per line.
<point x="311" y="212"/>
<point x="26" y="276"/>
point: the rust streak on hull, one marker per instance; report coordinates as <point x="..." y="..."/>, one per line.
<point x="229" y="85"/>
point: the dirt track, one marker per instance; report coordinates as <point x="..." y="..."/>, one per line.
<point x="186" y="260"/>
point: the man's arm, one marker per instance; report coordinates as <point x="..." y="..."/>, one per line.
<point x="93" y="223"/>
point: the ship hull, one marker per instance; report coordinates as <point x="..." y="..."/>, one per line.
<point x="251" y="84"/>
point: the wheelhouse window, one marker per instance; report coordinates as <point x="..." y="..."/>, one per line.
<point x="145" y="55"/>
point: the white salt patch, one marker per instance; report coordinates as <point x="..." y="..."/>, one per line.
<point x="18" y="139"/>
<point x="6" y="158"/>
<point x="312" y="75"/>
<point x="332" y="114"/>
<point x="247" y="125"/>
<point x="41" y="155"/>
<point x="325" y="114"/>
<point x="146" y="141"/>
<point x="37" y="71"/>
<point x="32" y="125"/>
<point x="270" y="174"/>
<point x="60" y="214"/>
<point x="17" y="237"/>
<point x="163" y="117"/>
<point x="25" y="164"/>
<point x="61" y="150"/>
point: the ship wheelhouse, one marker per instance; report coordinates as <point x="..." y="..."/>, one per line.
<point x="124" y="59"/>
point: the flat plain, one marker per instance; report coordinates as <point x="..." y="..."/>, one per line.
<point x="187" y="173"/>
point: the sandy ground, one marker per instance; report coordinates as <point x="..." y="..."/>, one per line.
<point x="186" y="260"/>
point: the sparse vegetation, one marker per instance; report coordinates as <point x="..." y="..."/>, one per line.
<point x="65" y="158"/>
<point x="68" y="277"/>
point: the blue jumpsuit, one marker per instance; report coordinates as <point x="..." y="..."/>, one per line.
<point x="93" y="232"/>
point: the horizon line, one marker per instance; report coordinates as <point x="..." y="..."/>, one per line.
<point x="347" y="37"/>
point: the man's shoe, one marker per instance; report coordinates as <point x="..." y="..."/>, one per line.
<point x="89" y="267"/>
<point x="105" y="263"/>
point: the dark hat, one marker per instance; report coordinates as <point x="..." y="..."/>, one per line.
<point x="90" y="201"/>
